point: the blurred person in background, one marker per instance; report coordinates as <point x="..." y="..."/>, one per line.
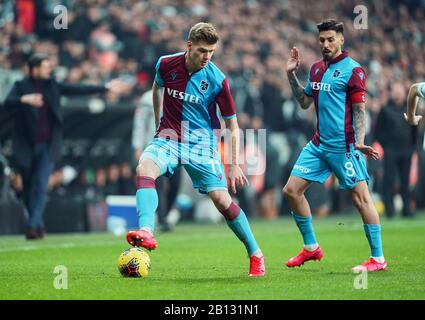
<point x="398" y="139"/>
<point x="37" y="136"/>
<point x="416" y="91"/>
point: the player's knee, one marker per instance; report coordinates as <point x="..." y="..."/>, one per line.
<point x="359" y="201"/>
<point x="289" y="192"/>
<point x="222" y="200"/>
<point x="140" y="170"/>
<point x="147" y="169"/>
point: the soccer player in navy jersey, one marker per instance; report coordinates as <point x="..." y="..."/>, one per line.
<point x="336" y="84"/>
<point x="191" y="87"/>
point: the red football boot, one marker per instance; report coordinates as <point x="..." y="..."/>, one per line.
<point x="304" y="256"/>
<point x="371" y="265"/>
<point x="142" y="238"/>
<point x="257" y="267"/>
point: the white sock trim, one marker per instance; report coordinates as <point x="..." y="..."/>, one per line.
<point x="257" y="253"/>
<point x="380" y="259"/>
<point x="311" y="247"/>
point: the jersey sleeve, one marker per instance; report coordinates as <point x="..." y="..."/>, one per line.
<point x="357" y="86"/>
<point x="225" y="101"/>
<point x="158" y="79"/>
<point x="308" y="90"/>
<point x="421" y="89"/>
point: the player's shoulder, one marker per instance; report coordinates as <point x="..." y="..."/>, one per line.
<point x="355" y="69"/>
<point x="214" y="73"/>
<point x="352" y="64"/>
<point x="170" y="59"/>
<point x="317" y="65"/>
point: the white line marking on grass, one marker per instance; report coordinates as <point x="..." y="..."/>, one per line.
<point x="61" y="245"/>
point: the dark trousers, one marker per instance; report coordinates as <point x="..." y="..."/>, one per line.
<point x="167" y="188"/>
<point x="35" y="179"/>
<point x="396" y="162"/>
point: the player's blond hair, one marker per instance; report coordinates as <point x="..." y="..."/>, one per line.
<point x="203" y="32"/>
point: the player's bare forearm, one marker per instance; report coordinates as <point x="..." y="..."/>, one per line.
<point x="412" y="103"/>
<point x="232" y="125"/>
<point x="412" y="100"/>
<point x="298" y="91"/>
<point x="359" y="122"/>
<point x="156" y="101"/>
<point x="235" y="174"/>
<point x="359" y="126"/>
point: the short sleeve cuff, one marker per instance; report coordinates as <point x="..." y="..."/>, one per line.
<point x="421" y="89"/>
<point x="229" y="117"/>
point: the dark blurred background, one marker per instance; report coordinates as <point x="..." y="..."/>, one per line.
<point x="106" y="39"/>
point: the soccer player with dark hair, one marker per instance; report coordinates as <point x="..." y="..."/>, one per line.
<point x="337" y="85"/>
<point x="191" y="87"/>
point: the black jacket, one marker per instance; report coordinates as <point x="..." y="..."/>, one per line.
<point x="25" y="116"/>
<point x="392" y="131"/>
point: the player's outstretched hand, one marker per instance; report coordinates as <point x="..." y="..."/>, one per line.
<point x="293" y="61"/>
<point x="413" y="121"/>
<point x="368" y="151"/>
<point x="237" y="178"/>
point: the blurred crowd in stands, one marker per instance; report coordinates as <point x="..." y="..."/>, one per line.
<point x="106" y="39"/>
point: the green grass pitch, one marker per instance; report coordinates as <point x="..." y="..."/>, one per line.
<point x="208" y="262"/>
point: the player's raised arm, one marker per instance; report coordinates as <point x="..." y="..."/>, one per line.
<point x="297" y="89"/>
<point x="416" y="91"/>
<point x="157" y="93"/>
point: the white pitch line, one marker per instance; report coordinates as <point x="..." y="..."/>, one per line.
<point x="62" y="245"/>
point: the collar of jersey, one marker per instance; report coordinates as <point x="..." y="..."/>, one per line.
<point x="187" y="72"/>
<point x="343" y="55"/>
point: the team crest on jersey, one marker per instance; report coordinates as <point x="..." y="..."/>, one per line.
<point x="361" y="75"/>
<point x="336" y="74"/>
<point x="348" y="155"/>
<point x="317" y="71"/>
<point x="204" y="85"/>
<point x="173" y="76"/>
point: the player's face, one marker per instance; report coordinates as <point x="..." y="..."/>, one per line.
<point x="200" y="53"/>
<point x="330" y="44"/>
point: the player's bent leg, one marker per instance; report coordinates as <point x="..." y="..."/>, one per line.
<point x="294" y="193"/>
<point x="146" y="205"/>
<point x="363" y="202"/>
<point x="238" y="223"/>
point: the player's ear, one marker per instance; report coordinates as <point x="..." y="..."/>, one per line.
<point x="189" y="45"/>
<point x="341" y="38"/>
